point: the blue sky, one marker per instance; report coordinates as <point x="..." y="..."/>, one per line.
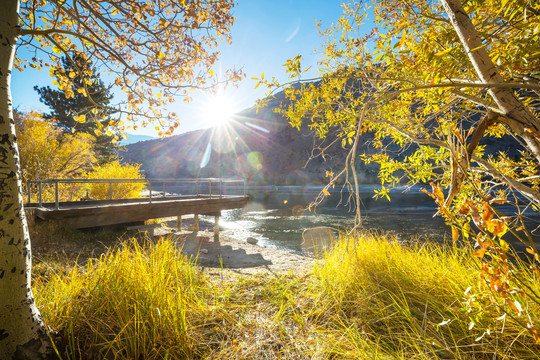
<point x="266" y="33"/>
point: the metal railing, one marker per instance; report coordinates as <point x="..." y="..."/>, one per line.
<point x="200" y="184"/>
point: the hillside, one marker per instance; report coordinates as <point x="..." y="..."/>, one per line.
<point x="135" y="138"/>
<point x="263" y="148"/>
<point x="259" y="146"/>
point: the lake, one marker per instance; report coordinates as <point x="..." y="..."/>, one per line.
<point x="275" y="217"/>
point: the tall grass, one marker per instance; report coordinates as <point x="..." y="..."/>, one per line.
<point x="375" y="296"/>
<point x="135" y="302"/>
<point x="371" y="298"/>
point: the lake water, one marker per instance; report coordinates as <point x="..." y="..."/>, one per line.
<point x="275" y="219"/>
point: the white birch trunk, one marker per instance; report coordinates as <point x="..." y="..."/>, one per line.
<point x="517" y="116"/>
<point x="22" y="332"/>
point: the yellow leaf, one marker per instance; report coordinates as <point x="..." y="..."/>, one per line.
<point x="480" y="252"/>
<point x="504" y="245"/>
<point x="56" y="49"/>
<point x="441" y="53"/>
<point x="455" y="234"/>
<point x="109" y="133"/>
<point x="98" y="132"/>
<point x="80" y="118"/>
<point x="161" y="55"/>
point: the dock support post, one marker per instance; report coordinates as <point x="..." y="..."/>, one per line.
<point x="196" y="223"/>
<point x="179" y="223"/>
<point x="56" y="196"/>
<point x="216" y="228"/>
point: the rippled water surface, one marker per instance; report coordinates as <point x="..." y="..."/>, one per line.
<point x="276" y="218"/>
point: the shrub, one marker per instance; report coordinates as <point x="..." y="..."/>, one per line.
<point x="115" y="170"/>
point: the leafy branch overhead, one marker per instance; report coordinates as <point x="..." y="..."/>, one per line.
<point x="155" y="51"/>
<point x="435" y="86"/>
<point x="152" y="50"/>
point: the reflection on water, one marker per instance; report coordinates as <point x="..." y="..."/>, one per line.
<point x="273" y="216"/>
<point x="277" y="216"/>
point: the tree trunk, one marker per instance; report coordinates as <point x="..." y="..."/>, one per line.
<point x="22" y="332"/>
<point x="516" y="115"/>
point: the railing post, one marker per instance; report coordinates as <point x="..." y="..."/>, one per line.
<point x="110" y="190"/>
<point x="56" y="197"/>
<point x="164" y="189"/>
<point x="197" y="187"/>
<point x="220" y="188"/>
<point x="210" y="187"/>
<point x="150" y="189"/>
<point x="40" y="193"/>
<point x="29" y="192"/>
<point x="245" y="190"/>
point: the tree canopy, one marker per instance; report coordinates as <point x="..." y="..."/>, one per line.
<point x="440" y="79"/>
<point x="154" y="50"/>
<point x="67" y="105"/>
<point x="46" y="153"/>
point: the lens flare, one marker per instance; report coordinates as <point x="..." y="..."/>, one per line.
<point x="218" y="109"/>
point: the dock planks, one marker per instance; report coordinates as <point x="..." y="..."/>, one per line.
<point x="86" y="214"/>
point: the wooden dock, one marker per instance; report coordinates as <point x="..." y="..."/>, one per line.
<point x="95" y="213"/>
<point x="86" y="214"/>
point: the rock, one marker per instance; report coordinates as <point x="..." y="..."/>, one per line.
<point x="204" y="251"/>
<point x="252" y="240"/>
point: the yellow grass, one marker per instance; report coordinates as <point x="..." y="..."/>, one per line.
<point x="370" y="299"/>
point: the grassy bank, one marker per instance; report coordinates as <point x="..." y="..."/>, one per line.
<point x="371" y="298"/>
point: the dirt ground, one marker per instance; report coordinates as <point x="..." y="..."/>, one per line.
<point x="234" y="254"/>
<point x="53" y="241"/>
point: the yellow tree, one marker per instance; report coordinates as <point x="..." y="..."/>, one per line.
<point x="441" y="79"/>
<point x="115" y="170"/>
<point x="154" y="49"/>
<point x="47" y="153"/>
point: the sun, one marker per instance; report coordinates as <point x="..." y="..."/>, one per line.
<point x="218" y="109"/>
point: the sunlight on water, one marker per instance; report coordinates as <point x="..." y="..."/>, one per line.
<point x="279" y="224"/>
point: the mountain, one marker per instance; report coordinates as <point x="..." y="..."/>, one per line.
<point x="259" y="146"/>
<point x="262" y="147"/>
<point x="135" y="138"/>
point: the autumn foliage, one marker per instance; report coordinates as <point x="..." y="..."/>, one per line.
<point x="156" y="51"/>
<point x="47" y="152"/>
<point x="122" y="190"/>
<point x="430" y="86"/>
